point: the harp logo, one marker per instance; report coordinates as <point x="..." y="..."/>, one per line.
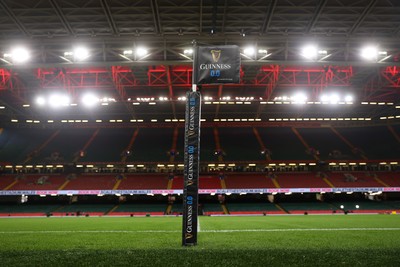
<point x="188" y="236"/>
<point x="216" y="55"/>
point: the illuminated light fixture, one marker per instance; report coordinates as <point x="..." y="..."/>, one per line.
<point x="299" y="98"/>
<point x="40" y="100"/>
<point x="369" y="53"/>
<point x="231" y="164"/>
<point x="211" y="165"/>
<point x="26" y="105"/>
<point x="310" y="52"/>
<point x="153" y="120"/>
<point x="262" y="51"/>
<point x="160" y="165"/>
<point x="334" y="98"/>
<point x="59" y="166"/>
<point x="130" y="165"/>
<point x="348" y="98"/>
<point x="50" y="121"/>
<point x="152" y="103"/>
<point x="110" y="166"/>
<point x="56" y="100"/>
<point x="89" y="100"/>
<point x="81" y="53"/>
<point x="20" y="55"/>
<point x="141" y="51"/>
<point x="188" y="51"/>
<point x="39" y="166"/>
<point x="2" y="107"/>
<point x="128" y="52"/>
<point x="207" y="98"/>
<point x="182" y="98"/>
<point x="163" y="98"/>
<point x="249" y="51"/>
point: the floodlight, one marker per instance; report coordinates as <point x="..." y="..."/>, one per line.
<point x="188" y="51"/>
<point x="299" y="98"/>
<point x="369" y="53"/>
<point x="309" y="51"/>
<point x="348" y="98"/>
<point x="20" y="55"/>
<point x="81" y="53"/>
<point x="324" y="98"/>
<point x="141" y="51"/>
<point x="89" y="100"/>
<point x="40" y="100"/>
<point x="357" y="206"/>
<point x="249" y="51"/>
<point x="341" y="206"/>
<point x="57" y="100"/>
<point x="334" y="98"/>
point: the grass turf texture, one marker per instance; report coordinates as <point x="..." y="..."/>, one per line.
<point x="330" y="240"/>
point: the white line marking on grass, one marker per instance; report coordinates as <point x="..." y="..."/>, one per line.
<point x="203" y="231"/>
<point x="198" y="225"/>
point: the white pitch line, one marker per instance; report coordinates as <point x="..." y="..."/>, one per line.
<point x="203" y="231"/>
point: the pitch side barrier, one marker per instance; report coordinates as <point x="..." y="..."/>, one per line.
<point x="201" y="191"/>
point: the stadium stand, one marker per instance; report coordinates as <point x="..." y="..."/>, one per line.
<point x="235" y="150"/>
<point x="38" y="182"/>
<point x="353" y="179"/>
<point x="283" y="144"/>
<point x="91" y="182"/>
<point x="60" y="151"/>
<point x="108" y="145"/>
<point x="329" y="145"/>
<point x="248" y="180"/>
<point x="144" y="181"/>
<point x="373" y="145"/>
<point x="154" y="151"/>
<point x="19" y="144"/>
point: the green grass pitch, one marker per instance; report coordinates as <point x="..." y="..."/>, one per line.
<point x="324" y="240"/>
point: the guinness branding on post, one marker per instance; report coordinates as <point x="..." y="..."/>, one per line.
<point x="217" y="64"/>
<point x="191" y="170"/>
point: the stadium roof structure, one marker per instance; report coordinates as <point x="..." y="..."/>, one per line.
<point x="114" y="31"/>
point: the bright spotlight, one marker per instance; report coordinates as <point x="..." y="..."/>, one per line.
<point x="369" y="53"/>
<point x="348" y="98"/>
<point x="299" y="98"/>
<point x="141" y="51"/>
<point x="310" y="52"/>
<point x="341" y="206"/>
<point x="81" y="53"/>
<point x="249" y="51"/>
<point x="56" y="101"/>
<point x="334" y="98"/>
<point x="324" y="98"/>
<point x="357" y="206"/>
<point x="188" y="51"/>
<point x="89" y="100"/>
<point x="40" y="100"/>
<point x="20" y="55"/>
